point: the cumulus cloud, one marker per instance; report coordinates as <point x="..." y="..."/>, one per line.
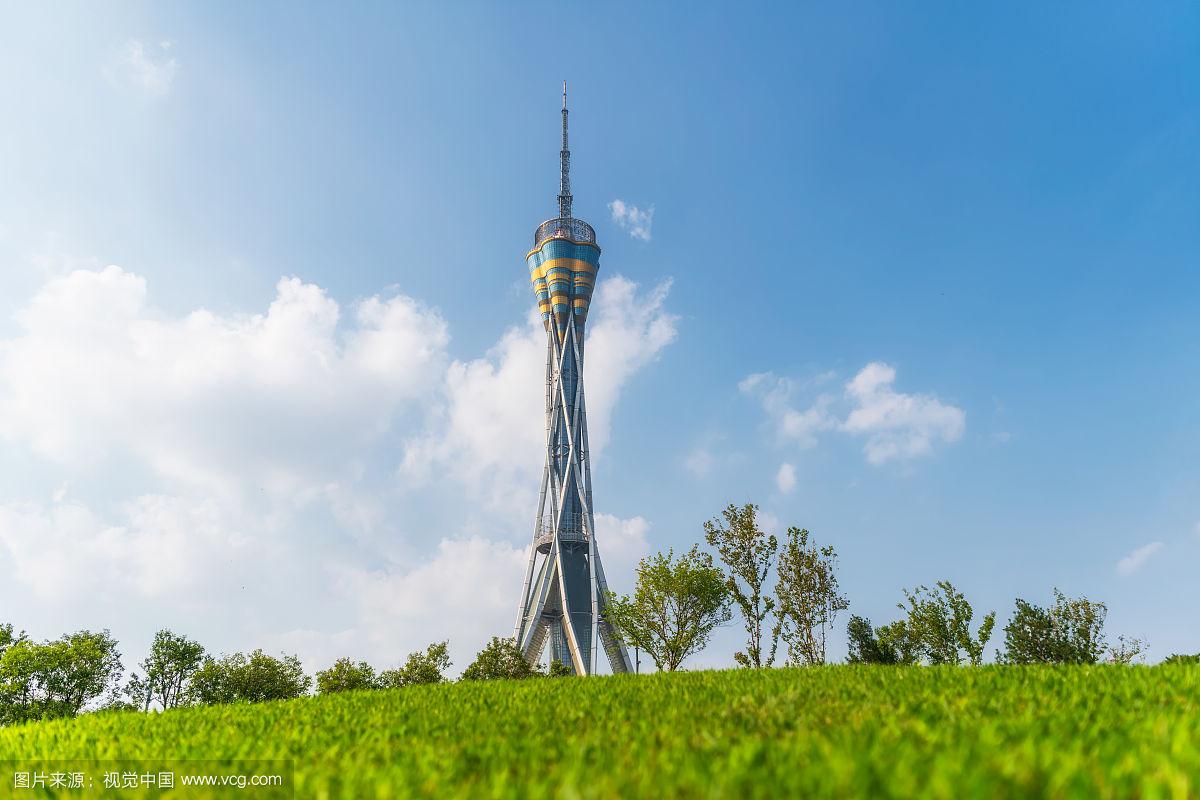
<point x="635" y="221"/>
<point x="147" y="67"/>
<point x="468" y="587"/>
<point x="1138" y="558"/>
<point x="235" y="474"/>
<point x="785" y="478"/>
<point x="160" y="547"/>
<point x="896" y="426"/>
<point x="776" y="395"/>
<point x="482" y="429"/>
<point x="281" y="401"/>
<point x="623" y="543"/>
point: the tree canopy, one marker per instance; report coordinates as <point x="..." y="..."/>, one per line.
<point x="248" y="679"/>
<point x="499" y="659"/>
<point x="675" y="606"/>
<point x="748" y="553"/>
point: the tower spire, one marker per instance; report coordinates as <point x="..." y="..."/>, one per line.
<point x="564" y="181"/>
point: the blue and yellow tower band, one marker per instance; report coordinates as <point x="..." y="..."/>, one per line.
<point x="563" y="273"/>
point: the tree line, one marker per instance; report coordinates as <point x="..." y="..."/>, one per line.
<point x="678" y="602"/>
<point x="83" y="672"/>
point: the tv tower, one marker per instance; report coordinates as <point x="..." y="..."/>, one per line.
<point x="563" y="598"/>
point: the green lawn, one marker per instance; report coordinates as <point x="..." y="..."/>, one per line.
<point x="834" y="732"/>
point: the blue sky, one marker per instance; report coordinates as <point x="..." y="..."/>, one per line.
<point x="959" y="248"/>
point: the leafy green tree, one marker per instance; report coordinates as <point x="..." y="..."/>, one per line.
<point x="426" y="667"/>
<point x="56" y="678"/>
<point x="674" y="608"/>
<point x="1029" y="637"/>
<point x="9" y="638"/>
<point x="899" y="638"/>
<point x="165" y="672"/>
<point x="808" y="596"/>
<point x="748" y="553"/>
<point x="80" y="667"/>
<point x="346" y="676"/>
<point x="939" y="625"/>
<point x="1069" y="632"/>
<point x="20" y="698"/>
<point x="560" y="670"/>
<point x="212" y="683"/>
<point x="887" y="644"/>
<point x="500" y="659"/>
<point x="255" y="678"/>
<point x="1182" y="658"/>
<point x="138" y="690"/>
<point x="865" y="647"/>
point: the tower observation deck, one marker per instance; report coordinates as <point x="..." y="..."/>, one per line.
<point x="563" y="596"/>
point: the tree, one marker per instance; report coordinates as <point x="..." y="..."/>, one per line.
<point x="559" y="670"/>
<point x="898" y="637"/>
<point x="56" y="678"/>
<point x="8" y="638"/>
<point x="500" y="659"/>
<point x="1069" y="632"/>
<point x="20" y="697"/>
<point x="865" y="647"/>
<point x="939" y="626"/>
<point x="346" y="676"/>
<point x="748" y="554"/>
<point x="79" y="668"/>
<point x="426" y="667"/>
<point x="1029" y="637"/>
<point x="248" y="679"/>
<point x="213" y="684"/>
<point x="138" y="690"/>
<point x="674" y="608"/>
<point x="166" y="671"/>
<point x="808" y="597"/>
<point x="1182" y="658"/>
<point x="1126" y="651"/>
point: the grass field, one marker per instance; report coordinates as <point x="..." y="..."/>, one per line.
<point x="832" y="732"/>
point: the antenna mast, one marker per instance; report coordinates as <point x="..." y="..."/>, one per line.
<point x="564" y="181"/>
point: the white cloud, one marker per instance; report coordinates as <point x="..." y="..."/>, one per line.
<point x="622" y="544"/>
<point x="785" y="478"/>
<point x="161" y="547"/>
<point x="231" y="474"/>
<point x="897" y="426"/>
<point x="1138" y="558"/>
<point x="279" y="401"/>
<point x="467" y="592"/>
<point x="775" y="394"/>
<point x="636" y="221"/>
<point x="148" y="68"/>
<point x="486" y="426"/>
<point x="770" y="522"/>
